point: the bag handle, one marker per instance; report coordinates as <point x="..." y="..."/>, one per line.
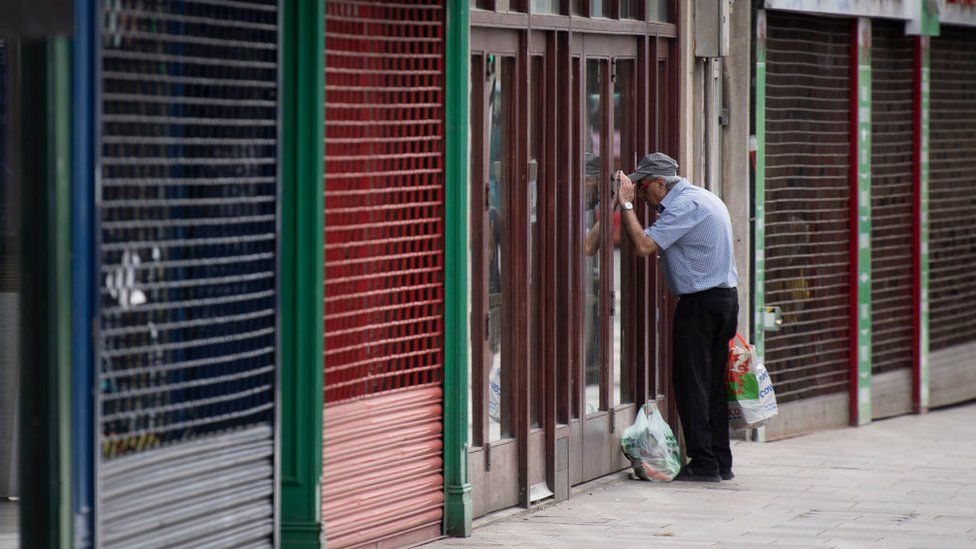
<point x="738" y="337"/>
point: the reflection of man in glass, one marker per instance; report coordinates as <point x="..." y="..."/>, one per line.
<point x="591" y="204"/>
<point x="591" y="267"/>
<point x="693" y="234"/>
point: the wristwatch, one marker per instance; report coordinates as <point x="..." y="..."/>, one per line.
<point x="627" y="206"/>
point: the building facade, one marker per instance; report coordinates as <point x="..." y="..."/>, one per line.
<point x="348" y="273"/>
<point x="863" y="124"/>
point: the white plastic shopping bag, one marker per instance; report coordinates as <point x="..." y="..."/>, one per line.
<point x="752" y="400"/>
<point x="650" y="446"/>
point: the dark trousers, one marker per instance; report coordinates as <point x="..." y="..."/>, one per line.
<point x="704" y="323"/>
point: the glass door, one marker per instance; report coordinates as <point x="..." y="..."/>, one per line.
<point x="564" y="336"/>
<point x="493" y="460"/>
<point x="603" y="79"/>
<point x="597" y="225"/>
<point x="629" y="282"/>
<point x="511" y="269"/>
<point x="539" y="271"/>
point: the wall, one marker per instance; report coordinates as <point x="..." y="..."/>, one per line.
<point x="733" y="143"/>
<point x="735" y="147"/>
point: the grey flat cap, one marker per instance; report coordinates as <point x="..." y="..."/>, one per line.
<point x="655" y="165"/>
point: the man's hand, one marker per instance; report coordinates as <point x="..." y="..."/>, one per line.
<point x="627" y="190"/>
<point x="643" y="244"/>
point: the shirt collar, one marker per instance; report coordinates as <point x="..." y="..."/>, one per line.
<point x="673" y="194"/>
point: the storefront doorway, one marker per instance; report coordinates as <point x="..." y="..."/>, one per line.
<point x="567" y="340"/>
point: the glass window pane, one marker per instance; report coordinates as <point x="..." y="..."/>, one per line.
<point x="575" y="87"/>
<point x="535" y="181"/>
<point x="628" y="9"/>
<point x="624" y="114"/>
<point x="593" y="170"/>
<point x="618" y="335"/>
<point x="600" y="8"/>
<point x="662" y="121"/>
<point x="577" y="7"/>
<point x="546" y="6"/>
<point x="501" y="70"/>
<point x="615" y="292"/>
<point x="657" y="10"/>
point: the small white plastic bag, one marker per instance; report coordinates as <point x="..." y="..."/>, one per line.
<point x="650" y="446"/>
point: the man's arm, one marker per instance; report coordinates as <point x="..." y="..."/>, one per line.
<point x="643" y="244"/>
<point x="592" y="241"/>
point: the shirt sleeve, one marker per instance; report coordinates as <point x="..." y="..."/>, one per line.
<point x="672" y="224"/>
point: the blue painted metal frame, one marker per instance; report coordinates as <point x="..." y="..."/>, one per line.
<point x="83" y="291"/>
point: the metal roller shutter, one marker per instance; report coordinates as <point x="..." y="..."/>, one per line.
<point x="187" y="215"/>
<point x="952" y="189"/>
<point x="807" y="200"/>
<point x="892" y="184"/>
<point x="384" y="255"/>
<point x="9" y="298"/>
<point x="384" y="468"/>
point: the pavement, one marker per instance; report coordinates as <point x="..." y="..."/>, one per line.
<point x="908" y="481"/>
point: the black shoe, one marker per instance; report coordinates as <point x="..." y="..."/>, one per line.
<point x="689" y="474"/>
<point x="726" y="475"/>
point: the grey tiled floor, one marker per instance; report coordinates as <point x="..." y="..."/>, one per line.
<point x="903" y="482"/>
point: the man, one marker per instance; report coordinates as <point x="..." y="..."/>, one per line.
<point x="693" y="235"/>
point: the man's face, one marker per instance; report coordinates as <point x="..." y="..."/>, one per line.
<point x="652" y="190"/>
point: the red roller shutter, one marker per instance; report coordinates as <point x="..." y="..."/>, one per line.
<point x="892" y="129"/>
<point x="807" y="200"/>
<point x="952" y="189"/>
<point x="384" y="251"/>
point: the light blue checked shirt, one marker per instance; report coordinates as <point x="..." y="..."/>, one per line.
<point x="694" y="233"/>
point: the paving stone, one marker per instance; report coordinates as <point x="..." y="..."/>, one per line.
<point x="927" y="542"/>
<point x="931" y="526"/>
<point x="798" y="530"/>
<point x="767" y="538"/>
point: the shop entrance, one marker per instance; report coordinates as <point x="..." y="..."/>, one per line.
<point x="565" y="335"/>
